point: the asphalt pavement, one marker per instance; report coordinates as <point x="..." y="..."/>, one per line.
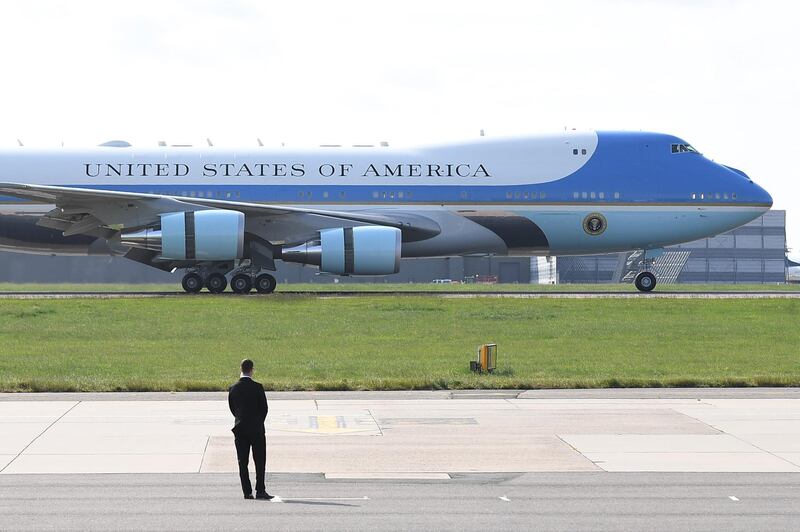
<point x="508" y="501"/>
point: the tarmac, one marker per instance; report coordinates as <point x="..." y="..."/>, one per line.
<point x="427" y="434"/>
<point x="441" y="294"/>
<point x="558" y="459"/>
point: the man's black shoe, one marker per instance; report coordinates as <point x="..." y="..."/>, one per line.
<point x="248" y="496"/>
<point x="265" y="496"/>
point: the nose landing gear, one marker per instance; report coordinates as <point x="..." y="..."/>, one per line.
<point x="645" y="281"/>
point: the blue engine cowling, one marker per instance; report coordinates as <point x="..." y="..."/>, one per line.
<point x="202" y="235"/>
<point x="363" y="250"/>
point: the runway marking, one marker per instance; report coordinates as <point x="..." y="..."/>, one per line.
<point x="282" y="499"/>
<point x="734" y="498"/>
<point x="384" y="475"/>
<point x="504" y="498"/>
<point x="363" y="424"/>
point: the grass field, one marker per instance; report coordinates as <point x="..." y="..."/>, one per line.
<point x="408" y="287"/>
<point x="385" y="342"/>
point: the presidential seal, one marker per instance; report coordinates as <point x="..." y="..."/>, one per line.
<point x="594" y="224"/>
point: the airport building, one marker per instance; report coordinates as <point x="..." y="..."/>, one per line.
<point x="753" y="253"/>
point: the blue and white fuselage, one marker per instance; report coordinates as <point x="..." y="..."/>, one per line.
<point x="568" y="193"/>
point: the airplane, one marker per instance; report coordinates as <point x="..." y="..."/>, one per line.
<point x="793" y="269"/>
<point x="226" y="216"/>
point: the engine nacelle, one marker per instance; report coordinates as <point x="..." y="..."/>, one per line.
<point x="363" y="250"/>
<point x="200" y="235"/>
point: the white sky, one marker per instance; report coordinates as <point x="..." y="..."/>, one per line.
<point x="722" y="74"/>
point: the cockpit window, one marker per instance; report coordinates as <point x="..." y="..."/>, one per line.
<point x="683" y="148"/>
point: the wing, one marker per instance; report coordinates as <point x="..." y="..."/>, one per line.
<point x="104" y="212"/>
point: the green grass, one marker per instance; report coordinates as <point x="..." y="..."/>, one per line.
<point x="407" y="287"/>
<point x="384" y="342"/>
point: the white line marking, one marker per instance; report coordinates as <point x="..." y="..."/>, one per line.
<point x="365" y="498"/>
<point x="733" y="498"/>
<point x="504" y="498"/>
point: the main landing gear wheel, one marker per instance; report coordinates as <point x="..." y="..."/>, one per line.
<point x="241" y="283"/>
<point x="216" y="283"/>
<point x="645" y="281"/>
<point x="265" y="283"/>
<point x="192" y="283"/>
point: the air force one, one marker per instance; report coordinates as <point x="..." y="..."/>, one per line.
<point x="226" y="216"/>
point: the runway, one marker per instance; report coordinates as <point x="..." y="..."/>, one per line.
<point x="430" y="293"/>
<point x="680" y="459"/>
<point x="471" y="501"/>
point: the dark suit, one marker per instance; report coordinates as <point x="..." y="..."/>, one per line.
<point x="248" y="405"/>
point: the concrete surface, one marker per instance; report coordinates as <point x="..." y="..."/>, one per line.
<point x="362" y="435"/>
<point x="513" y="501"/>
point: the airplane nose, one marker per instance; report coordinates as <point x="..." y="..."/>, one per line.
<point x="762" y="197"/>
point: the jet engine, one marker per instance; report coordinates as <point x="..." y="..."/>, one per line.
<point x="363" y="250"/>
<point x="214" y="234"/>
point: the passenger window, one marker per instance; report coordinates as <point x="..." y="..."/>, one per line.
<point x="576" y="195"/>
<point x="616" y="195"/>
<point x="583" y="151"/>
<point x="602" y="195"/>
<point x="575" y="151"/>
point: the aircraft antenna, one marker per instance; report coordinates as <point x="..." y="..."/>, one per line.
<point x="259" y="142"/>
<point x="482" y="133"/>
<point x="209" y="142"/>
<point x="20" y="142"/>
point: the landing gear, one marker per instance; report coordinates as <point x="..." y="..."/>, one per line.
<point x="216" y="283"/>
<point x="241" y="283"/>
<point x="645" y="281"/>
<point x="214" y="277"/>
<point x="192" y="283"/>
<point x="265" y="283"/>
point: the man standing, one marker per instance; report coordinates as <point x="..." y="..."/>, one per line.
<point x="248" y="405"/>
